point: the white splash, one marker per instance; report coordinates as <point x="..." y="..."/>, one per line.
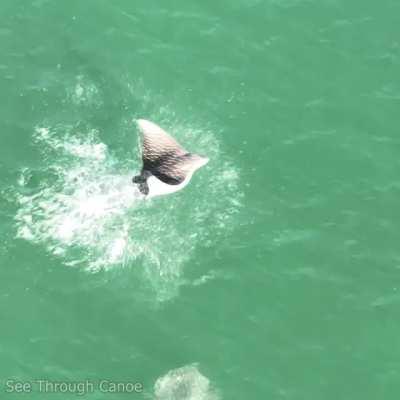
<point x="82" y="207"/>
<point x="185" y="383"/>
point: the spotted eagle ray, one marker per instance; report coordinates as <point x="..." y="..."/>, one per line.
<point x="167" y="166"/>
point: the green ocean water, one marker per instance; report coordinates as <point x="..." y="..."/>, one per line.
<point x="275" y="273"/>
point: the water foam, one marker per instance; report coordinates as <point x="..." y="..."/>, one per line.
<point x="83" y="208"/>
<point x="185" y="383"/>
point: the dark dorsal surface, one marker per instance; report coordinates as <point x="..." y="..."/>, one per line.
<point x="164" y="157"/>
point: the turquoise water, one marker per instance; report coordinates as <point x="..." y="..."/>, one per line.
<point x="274" y="274"/>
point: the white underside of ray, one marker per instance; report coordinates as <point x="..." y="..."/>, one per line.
<point x="157" y="139"/>
<point x="159" y="188"/>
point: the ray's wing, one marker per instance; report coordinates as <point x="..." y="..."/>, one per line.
<point x="160" y="153"/>
<point x="164" y="157"/>
<point x="174" y="170"/>
<point x="157" y="143"/>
